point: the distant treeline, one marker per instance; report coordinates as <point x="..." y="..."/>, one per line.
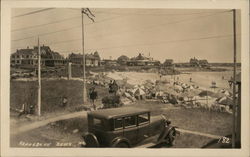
<point x="225" y="64"/>
<point x="211" y="64"/>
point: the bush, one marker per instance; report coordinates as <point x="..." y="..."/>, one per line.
<point x="111" y="102"/>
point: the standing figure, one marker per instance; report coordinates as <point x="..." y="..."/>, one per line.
<point x="24" y="110"/>
<point x="115" y="87"/>
<point x="64" y="101"/>
<point x="111" y="87"/>
<point x="93" y="97"/>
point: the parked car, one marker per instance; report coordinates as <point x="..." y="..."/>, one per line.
<point x="127" y="127"/>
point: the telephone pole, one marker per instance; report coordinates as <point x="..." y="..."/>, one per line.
<point x="234" y="81"/>
<point x="91" y="16"/>
<point x="83" y="62"/>
<point x="39" y="80"/>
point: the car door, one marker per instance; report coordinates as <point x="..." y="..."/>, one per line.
<point x="130" y="130"/>
<point x="143" y="126"/>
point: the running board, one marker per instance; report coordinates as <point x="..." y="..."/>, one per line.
<point x="147" y="145"/>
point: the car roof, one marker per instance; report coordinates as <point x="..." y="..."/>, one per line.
<point x="117" y="112"/>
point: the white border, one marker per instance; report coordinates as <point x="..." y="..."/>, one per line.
<point x="212" y="4"/>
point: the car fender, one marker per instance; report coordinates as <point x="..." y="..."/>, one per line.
<point x="117" y="140"/>
<point x="165" y="133"/>
<point x="91" y="140"/>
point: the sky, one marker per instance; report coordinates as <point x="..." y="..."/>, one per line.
<point x="178" y="34"/>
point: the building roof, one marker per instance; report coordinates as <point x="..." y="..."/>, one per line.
<point x="25" y="51"/>
<point x="87" y="56"/>
<point x="45" y="48"/>
<point x="117" y="112"/>
<point x="141" y="57"/>
<point x="203" y="61"/>
<point x="56" y="55"/>
<point x="45" y="52"/>
<point x="169" y="61"/>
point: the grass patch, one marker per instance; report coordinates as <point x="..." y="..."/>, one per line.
<point x="218" y="123"/>
<point x="52" y="93"/>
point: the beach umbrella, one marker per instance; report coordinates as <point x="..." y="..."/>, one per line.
<point x="126" y="94"/>
<point x="227" y="93"/>
<point x="225" y="101"/>
<point x="178" y="88"/>
<point x="139" y="91"/>
<point x="188" y="94"/>
<point x="206" y="93"/>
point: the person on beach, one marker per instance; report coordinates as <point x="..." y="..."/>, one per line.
<point x="115" y="87"/>
<point x="110" y="86"/>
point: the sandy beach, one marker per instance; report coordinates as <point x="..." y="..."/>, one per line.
<point x="202" y="79"/>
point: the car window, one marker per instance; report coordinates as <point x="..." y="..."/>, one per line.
<point x="143" y="118"/>
<point x="118" y="123"/>
<point x="129" y="121"/>
<point x="97" y="122"/>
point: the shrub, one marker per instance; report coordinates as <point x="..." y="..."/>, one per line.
<point x="111" y="102"/>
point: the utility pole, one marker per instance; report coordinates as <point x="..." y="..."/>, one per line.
<point x="234" y="81"/>
<point x="39" y="80"/>
<point x="89" y="14"/>
<point x="83" y="61"/>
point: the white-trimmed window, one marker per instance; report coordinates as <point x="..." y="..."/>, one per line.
<point x="130" y="121"/>
<point x="143" y="118"/>
<point x="118" y="123"/>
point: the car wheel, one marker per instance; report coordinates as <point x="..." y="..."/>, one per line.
<point x="122" y="145"/>
<point x="91" y="140"/>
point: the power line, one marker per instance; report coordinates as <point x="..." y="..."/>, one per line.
<point x="156" y="14"/>
<point x="33" y="12"/>
<point x="45" y="24"/>
<point x="143" y="13"/>
<point x="160" y="25"/>
<point x="157" y="43"/>
<point x="164" y="42"/>
<point x="64" y="41"/>
<point x="116" y="32"/>
<point x="102" y="35"/>
<point x="78" y="26"/>
<point x="48" y="33"/>
<point x="147" y="44"/>
<point x="58" y="21"/>
<point x="111" y="19"/>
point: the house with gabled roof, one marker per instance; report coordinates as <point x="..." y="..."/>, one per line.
<point x="142" y="60"/>
<point x="29" y="57"/>
<point x="92" y="59"/>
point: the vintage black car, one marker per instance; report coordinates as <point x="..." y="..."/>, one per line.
<point x="127" y="127"/>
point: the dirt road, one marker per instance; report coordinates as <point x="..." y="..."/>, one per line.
<point x="83" y="114"/>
